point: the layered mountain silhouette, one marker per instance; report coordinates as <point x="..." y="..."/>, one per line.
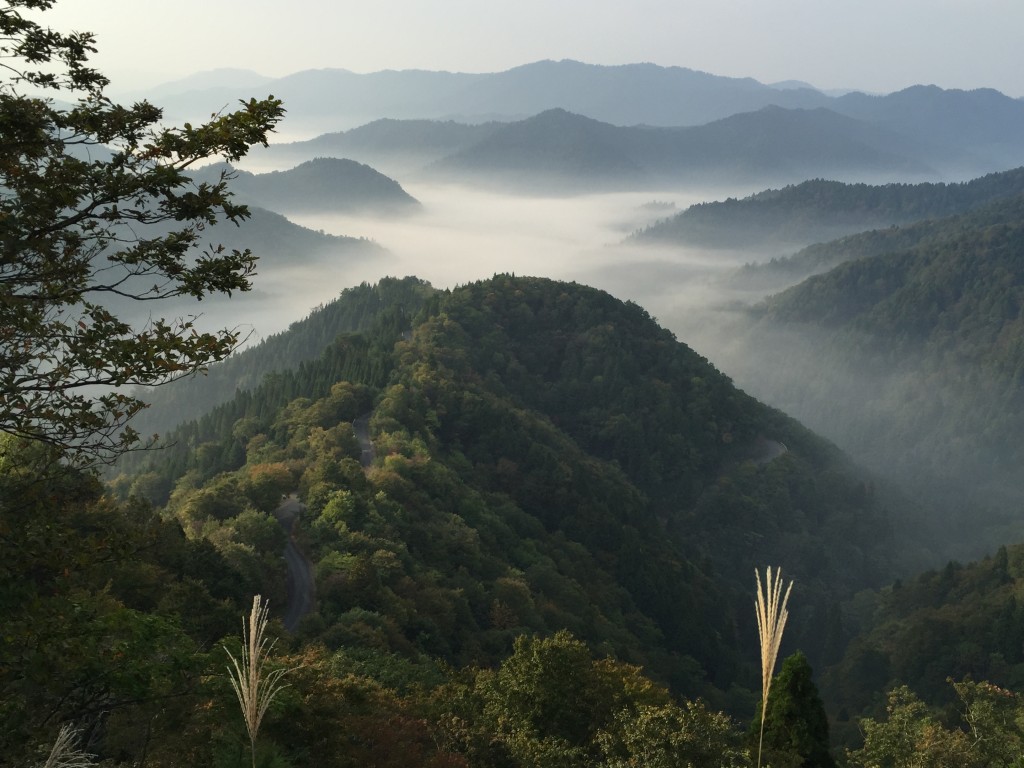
<point x="958" y="133"/>
<point x="321" y="184"/>
<point x="820" y="210"/>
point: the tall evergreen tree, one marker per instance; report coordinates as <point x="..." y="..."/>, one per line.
<point x="795" y="726"/>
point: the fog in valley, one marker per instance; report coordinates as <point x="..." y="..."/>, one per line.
<point x="465" y="234"/>
<point x="485" y="387"/>
<point x="558" y="195"/>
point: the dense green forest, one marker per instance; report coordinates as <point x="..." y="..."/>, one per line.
<point x="518" y="518"/>
<point x="356" y="310"/>
<point x="779" y="220"/>
<point x="580" y="419"/>
<point x="920" y="340"/>
<point x="547" y="459"/>
<point x="545" y="563"/>
<point x="953" y="622"/>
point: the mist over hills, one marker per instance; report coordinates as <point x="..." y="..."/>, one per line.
<point x="956" y="133"/>
<point x="917" y="334"/>
<point x="779" y="220"/>
<point x="322" y="184"/>
<point x="518" y="513"/>
<point x="394" y="146"/>
<point x="562" y="149"/>
<point x="547" y="434"/>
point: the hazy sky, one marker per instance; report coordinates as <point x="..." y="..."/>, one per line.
<point x="875" y="45"/>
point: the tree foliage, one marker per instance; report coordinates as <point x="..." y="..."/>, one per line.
<point x="98" y="215"/>
<point x="795" y="726"/>
<point x="989" y="732"/>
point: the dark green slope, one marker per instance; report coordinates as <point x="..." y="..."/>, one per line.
<point x="955" y="622"/>
<point x="546" y="457"/>
<point x="923" y="347"/>
<point x="956" y="295"/>
<point x="357" y="309"/>
<point x="820" y="210"/>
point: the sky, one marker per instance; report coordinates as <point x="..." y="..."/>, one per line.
<point x="871" y="45"/>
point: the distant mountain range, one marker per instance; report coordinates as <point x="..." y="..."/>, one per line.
<point x="622" y="95"/>
<point x="322" y="184"/>
<point x="767" y="144"/>
<point x="568" y="150"/>
<point x="957" y="133"/>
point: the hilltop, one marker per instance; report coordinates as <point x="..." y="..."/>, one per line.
<point x="546" y="457"/>
<point x="821" y="210"/>
<point x="318" y="185"/>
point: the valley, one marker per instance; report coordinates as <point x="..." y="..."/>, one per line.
<point x="479" y="395"/>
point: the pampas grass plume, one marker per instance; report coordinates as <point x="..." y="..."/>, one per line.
<point x="771" y="621"/>
<point x="254" y="686"/>
<point x="65" y="752"/>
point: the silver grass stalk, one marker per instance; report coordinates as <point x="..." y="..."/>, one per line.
<point x="65" y="752"/>
<point x="771" y="620"/>
<point x="254" y="686"/>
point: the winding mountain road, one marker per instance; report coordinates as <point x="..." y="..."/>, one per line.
<point x="766" y="450"/>
<point x="362" y="428"/>
<point x="301" y="584"/>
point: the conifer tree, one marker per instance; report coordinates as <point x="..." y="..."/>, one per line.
<point x="795" y="725"/>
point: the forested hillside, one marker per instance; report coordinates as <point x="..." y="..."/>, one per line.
<point x="923" y="347"/>
<point x="357" y="309"/>
<point x="955" y="622"/>
<point x="546" y="458"/>
<point x="778" y="220"/>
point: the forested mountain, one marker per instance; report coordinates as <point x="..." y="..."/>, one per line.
<point x="558" y="146"/>
<point x="357" y="309"/>
<point x="322" y="184"/>
<point x="922" y="344"/>
<point x="955" y="622"/>
<point x="546" y="458"/>
<point x="820" y="210"/>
